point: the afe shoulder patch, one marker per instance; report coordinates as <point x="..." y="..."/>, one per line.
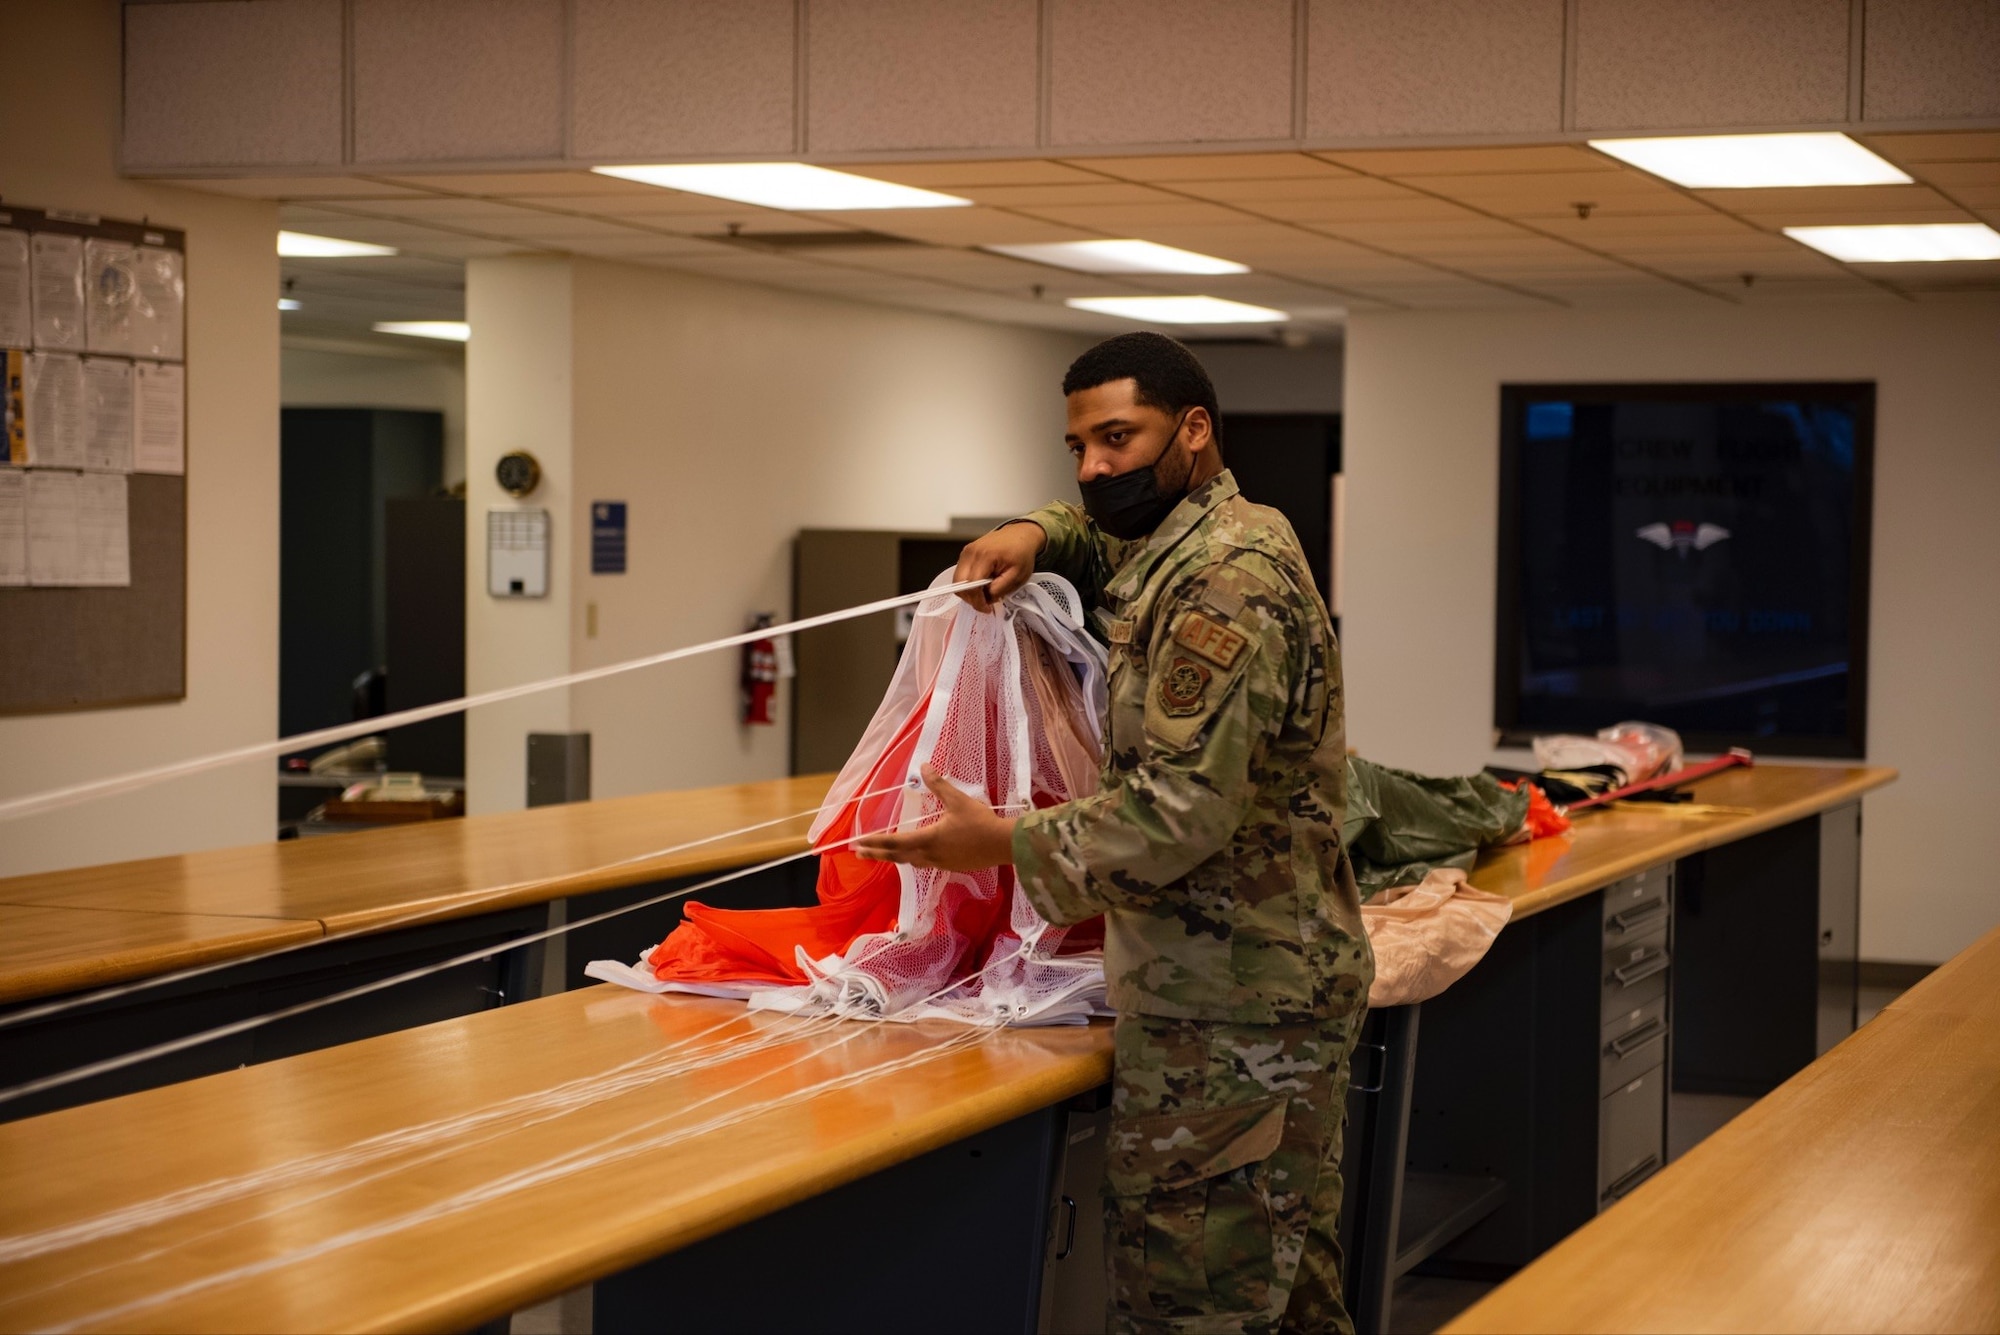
<point x="1182" y="686"/>
<point x="1211" y="639"/>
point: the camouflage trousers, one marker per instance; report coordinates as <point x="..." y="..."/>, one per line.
<point x="1222" y="1185"/>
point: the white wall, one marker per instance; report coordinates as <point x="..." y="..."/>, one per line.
<point x="727" y="417"/>
<point x="60" y="100"/>
<point x="1422" y="431"/>
<point x="519" y="385"/>
<point x="329" y="373"/>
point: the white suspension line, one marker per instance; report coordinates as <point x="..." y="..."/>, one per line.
<point x="54" y="798"/>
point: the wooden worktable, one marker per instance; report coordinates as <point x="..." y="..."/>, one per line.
<point x="465" y="1267"/>
<point x="236" y="901"/>
<point x="507" y="1252"/>
<point x="47" y="949"/>
<point x="1607" y="844"/>
<point x="1862" y="1195"/>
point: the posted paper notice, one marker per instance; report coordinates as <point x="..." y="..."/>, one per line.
<point x="78" y="525"/>
<point x="160" y="398"/>
<point x="13" y="526"/>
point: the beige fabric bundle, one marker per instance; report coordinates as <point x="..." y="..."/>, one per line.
<point x="1427" y="936"/>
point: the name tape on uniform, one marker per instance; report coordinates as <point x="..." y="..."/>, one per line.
<point x="1211" y="639"/>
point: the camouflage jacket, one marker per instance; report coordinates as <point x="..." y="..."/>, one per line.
<point x="1213" y="849"/>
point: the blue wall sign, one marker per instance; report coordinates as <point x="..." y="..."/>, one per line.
<point x="607" y="537"/>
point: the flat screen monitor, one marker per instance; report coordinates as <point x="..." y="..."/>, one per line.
<point x="1691" y="555"/>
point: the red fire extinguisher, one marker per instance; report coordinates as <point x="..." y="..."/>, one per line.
<point x="760" y="675"/>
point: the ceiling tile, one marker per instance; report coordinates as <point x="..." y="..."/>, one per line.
<point x="1328" y="213"/>
<point x="1964" y="145"/>
<point x="1097" y="192"/>
<point x="911" y="74"/>
<point x="1456" y="292"/>
<point x="659" y="81"/>
<point x="1141" y="87"/>
<point x="435" y="208"/>
<point x="1826" y="199"/>
<point x="524" y="183"/>
<point x="1836" y="217"/>
<point x="1601" y="226"/>
<point x="299" y="187"/>
<point x="667" y="206"/>
<point x="970" y="227"/>
<point x="1966" y="275"/>
<point x="456" y="80"/>
<point x="547" y="227"/>
<point x="1000" y="171"/>
<point x="1948" y="175"/>
<point x="1473" y="161"/>
<point x="1325" y="189"/>
<point x="1438" y="67"/>
<point x="1567" y="186"/>
<point x="1466" y="227"/>
<point x="1133" y="219"/>
<point x="1214" y="167"/>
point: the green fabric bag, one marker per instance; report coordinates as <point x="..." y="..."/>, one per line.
<point x="1401" y="825"/>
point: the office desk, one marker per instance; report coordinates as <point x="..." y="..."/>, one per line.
<point x="1863" y="1195"/>
<point x="1649" y="952"/>
<point x="402" y="898"/>
<point x="607" y="1223"/>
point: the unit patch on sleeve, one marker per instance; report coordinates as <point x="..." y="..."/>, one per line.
<point x="1211" y="639"/>
<point x="1182" y="686"/>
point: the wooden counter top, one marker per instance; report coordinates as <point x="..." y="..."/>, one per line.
<point x="464" y="1267"/>
<point x="1604" y="845"/>
<point x="1861" y="1195"/>
<point x="276" y="892"/>
<point x="48" y="949"/>
<point x="359" y="881"/>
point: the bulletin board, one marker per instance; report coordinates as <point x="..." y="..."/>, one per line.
<point x="93" y="462"/>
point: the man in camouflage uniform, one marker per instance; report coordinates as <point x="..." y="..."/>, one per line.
<point x="1233" y="948"/>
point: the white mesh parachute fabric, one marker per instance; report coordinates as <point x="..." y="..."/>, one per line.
<point x="1008" y="707"/>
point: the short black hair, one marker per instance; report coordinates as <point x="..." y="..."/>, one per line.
<point x="1166" y="375"/>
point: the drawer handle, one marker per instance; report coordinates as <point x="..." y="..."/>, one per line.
<point x="1069" y="1239"/>
<point x="1626" y="919"/>
<point x="1628" y="974"/>
<point x="1632" y="1178"/>
<point x="1637" y="1038"/>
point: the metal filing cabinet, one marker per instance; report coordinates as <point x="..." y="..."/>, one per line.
<point x="1635" y="1031"/>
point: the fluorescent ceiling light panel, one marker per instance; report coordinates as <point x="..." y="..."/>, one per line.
<point x="1902" y="243"/>
<point x="1750" y="161"/>
<point x="1180" y="310"/>
<point x="288" y="303"/>
<point x="458" y="331"/>
<point x="306" y="246"/>
<point x="785" y="185"/>
<point x="1120" y="257"/>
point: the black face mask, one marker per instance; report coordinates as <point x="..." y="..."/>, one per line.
<point x="1131" y="505"/>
